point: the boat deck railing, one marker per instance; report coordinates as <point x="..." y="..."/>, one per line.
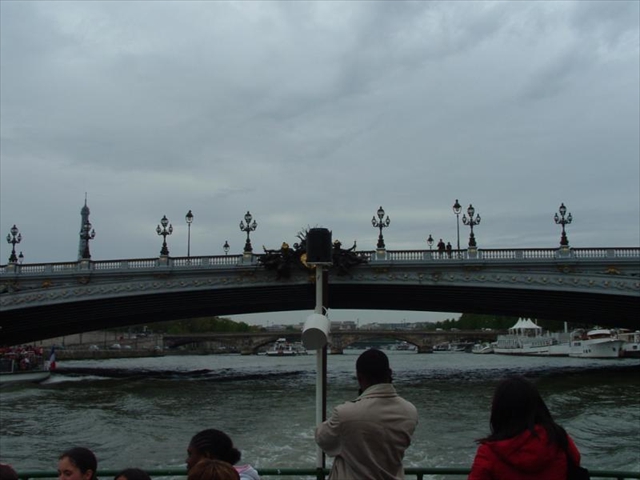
<point x="419" y="473"/>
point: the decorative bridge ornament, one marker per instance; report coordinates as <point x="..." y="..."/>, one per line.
<point x="585" y="285"/>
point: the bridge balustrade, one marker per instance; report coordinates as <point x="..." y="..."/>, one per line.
<point x="373" y="256"/>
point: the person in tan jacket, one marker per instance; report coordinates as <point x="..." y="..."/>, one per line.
<point x="368" y="436"/>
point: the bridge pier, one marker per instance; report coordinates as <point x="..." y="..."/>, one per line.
<point x="425" y="349"/>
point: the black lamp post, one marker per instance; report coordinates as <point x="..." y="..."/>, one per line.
<point x="564" y="241"/>
<point x="456" y="210"/>
<point x="189" y="219"/>
<point x="226" y="247"/>
<point x="471" y="221"/>
<point x="87" y="234"/>
<point x="164" y="231"/>
<point x="20" y="258"/>
<point x="430" y="242"/>
<point x="380" y="223"/>
<point x="250" y="227"/>
<point x="14" y="237"/>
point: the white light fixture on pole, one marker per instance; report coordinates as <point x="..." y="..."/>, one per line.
<point x="316" y="330"/>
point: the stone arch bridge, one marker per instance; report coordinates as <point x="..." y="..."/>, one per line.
<point x="250" y="342"/>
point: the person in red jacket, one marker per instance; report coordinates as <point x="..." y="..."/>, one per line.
<point x="525" y="443"/>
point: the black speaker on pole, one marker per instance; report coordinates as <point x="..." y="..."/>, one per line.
<point x="319" y="247"/>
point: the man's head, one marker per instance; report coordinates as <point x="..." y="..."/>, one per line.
<point x="372" y="367"/>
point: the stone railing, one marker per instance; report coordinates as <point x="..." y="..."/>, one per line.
<point x="374" y="256"/>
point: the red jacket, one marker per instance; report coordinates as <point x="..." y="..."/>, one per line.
<point x="524" y="457"/>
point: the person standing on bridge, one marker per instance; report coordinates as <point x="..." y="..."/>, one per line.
<point x="525" y="443"/>
<point x="368" y="436"/>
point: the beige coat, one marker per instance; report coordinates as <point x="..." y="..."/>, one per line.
<point x="368" y="437"/>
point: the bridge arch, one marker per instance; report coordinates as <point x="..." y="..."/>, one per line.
<point x="598" y="286"/>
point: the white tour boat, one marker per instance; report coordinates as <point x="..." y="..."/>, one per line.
<point x="527" y="338"/>
<point x="599" y="343"/>
<point x="283" y="348"/>
<point x="23" y="367"/>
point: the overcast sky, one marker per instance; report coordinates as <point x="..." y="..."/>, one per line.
<point x="316" y="114"/>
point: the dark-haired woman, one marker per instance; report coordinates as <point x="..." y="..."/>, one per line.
<point x="216" y="445"/>
<point x="525" y="443"/>
<point x="77" y="463"/>
<point x="132" y="474"/>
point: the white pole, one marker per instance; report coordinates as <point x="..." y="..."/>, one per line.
<point x="321" y="361"/>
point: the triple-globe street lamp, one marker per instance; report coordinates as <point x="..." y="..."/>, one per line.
<point x="561" y="220"/>
<point x="87" y="233"/>
<point x="189" y="219"/>
<point x="14" y="237"/>
<point x="164" y="231"/>
<point x="471" y="221"/>
<point x="249" y="227"/>
<point x="380" y="223"/>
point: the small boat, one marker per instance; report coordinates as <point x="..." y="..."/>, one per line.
<point x="458" y="347"/>
<point x="598" y="343"/>
<point x="404" y="346"/>
<point x="283" y="348"/>
<point x="482" y="348"/>
<point x="23" y="366"/>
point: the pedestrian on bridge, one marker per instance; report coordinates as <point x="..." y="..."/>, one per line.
<point x="368" y="436"/>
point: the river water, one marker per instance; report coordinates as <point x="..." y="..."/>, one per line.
<point x="142" y="412"/>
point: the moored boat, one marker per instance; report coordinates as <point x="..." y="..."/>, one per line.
<point x="631" y="346"/>
<point x="598" y="343"/>
<point x="527" y="338"/>
<point x="482" y="348"/>
<point x="405" y="346"/>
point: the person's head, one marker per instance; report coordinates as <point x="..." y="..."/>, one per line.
<point x="211" y="444"/>
<point x="77" y="463"/>
<point x="372" y="367"/>
<point x="517" y="406"/>
<point x="210" y="469"/>
<point x="7" y="472"/>
<point x="132" y="474"/>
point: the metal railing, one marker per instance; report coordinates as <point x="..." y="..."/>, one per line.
<point x="411" y="472"/>
<point x="226" y="261"/>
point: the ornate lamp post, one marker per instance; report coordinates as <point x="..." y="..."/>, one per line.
<point x="14" y="237"/>
<point x="471" y="221"/>
<point x="456" y="210"/>
<point x="380" y="223"/>
<point x="250" y="227"/>
<point x="226" y="247"/>
<point x="20" y="258"/>
<point x="189" y="219"/>
<point x="430" y="242"/>
<point x="564" y="241"/>
<point x="164" y="231"/>
<point x="87" y="234"/>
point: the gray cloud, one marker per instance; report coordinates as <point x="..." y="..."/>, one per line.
<point x="316" y="113"/>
